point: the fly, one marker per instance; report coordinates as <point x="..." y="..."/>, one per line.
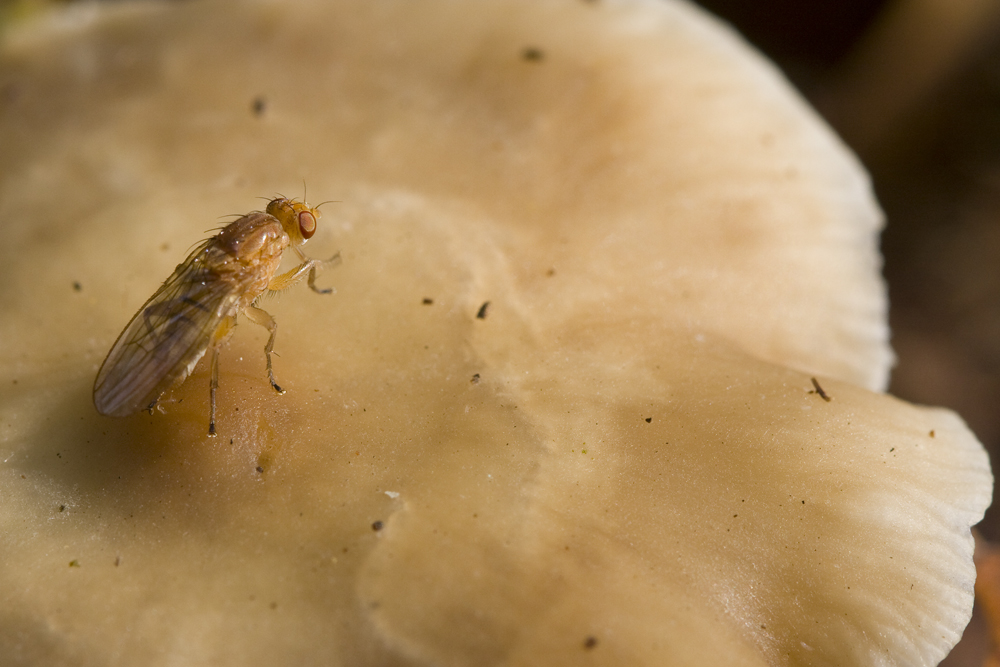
<point x="196" y="308"/>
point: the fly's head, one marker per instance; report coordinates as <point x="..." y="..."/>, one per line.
<point x="296" y="217"/>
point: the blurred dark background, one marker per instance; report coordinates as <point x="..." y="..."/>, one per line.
<point x="913" y="86"/>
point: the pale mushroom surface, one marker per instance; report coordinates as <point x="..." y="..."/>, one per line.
<point x="623" y="462"/>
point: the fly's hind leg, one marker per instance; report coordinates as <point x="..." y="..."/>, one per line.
<point x="211" y="391"/>
<point x="264" y="319"/>
<point x="220" y="337"/>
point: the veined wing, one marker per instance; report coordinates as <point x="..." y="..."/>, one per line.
<point x="167" y="337"/>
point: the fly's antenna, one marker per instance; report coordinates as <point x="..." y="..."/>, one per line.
<point x="328" y="201"/>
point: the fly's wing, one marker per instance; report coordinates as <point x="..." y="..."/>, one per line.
<point x="166" y="338"/>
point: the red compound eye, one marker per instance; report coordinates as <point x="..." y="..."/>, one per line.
<point x="307" y="224"/>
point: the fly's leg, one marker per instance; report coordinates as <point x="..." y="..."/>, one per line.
<point x="264" y="319"/>
<point x="333" y="261"/>
<point x="218" y="338"/>
<point x="320" y="264"/>
<point x="211" y="391"/>
<point x="308" y="267"/>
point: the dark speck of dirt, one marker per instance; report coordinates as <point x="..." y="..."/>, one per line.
<point x="533" y="54"/>
<point x="819" y="390"/>
<point x="258" y="106"/>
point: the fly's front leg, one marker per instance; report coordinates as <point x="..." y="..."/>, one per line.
<point x="317" y="264"/>
<point x="308" y="267"/>
<point x="264" y="319"/>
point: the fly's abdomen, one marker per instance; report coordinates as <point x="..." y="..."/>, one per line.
<point x="165" y="339"/>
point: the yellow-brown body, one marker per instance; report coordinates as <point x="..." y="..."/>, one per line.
<point x="196" y="308"/>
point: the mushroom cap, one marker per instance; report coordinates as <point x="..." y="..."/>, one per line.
<point x="624" y="461"/>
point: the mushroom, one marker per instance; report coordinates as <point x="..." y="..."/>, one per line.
<point x="627" y="459"/>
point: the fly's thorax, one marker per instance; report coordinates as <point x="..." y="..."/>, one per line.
<point x="296" y="218"/>
<point x="254" y="235"/>
<point x="245" y="255"/>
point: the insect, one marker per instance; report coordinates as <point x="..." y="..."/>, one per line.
<point x="196" y="308"/>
